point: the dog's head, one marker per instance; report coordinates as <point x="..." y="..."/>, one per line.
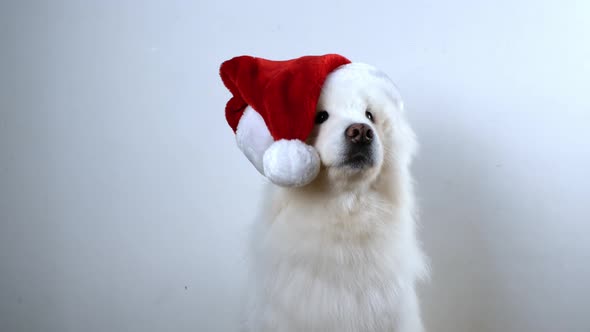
<point x="360" y="127"/>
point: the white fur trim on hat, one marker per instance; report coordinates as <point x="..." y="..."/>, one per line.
<point x="253" y="137"/>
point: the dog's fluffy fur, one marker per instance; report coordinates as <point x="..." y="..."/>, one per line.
<point x="341" y="253"/>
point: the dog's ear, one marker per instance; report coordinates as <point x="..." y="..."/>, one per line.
<point x="402" y="134"/>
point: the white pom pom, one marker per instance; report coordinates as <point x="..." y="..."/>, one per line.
<point x="291" y="163"/>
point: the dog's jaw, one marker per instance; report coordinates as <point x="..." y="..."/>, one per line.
<point x="358" y="158"/>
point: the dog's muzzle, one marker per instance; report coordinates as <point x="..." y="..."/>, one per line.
<point x="359" y="150"/>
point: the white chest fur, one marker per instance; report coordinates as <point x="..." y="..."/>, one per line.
<point x="344" y="264"/>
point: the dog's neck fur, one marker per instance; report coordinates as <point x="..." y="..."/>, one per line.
<point x="330" y="187"/>
<point x="356" y="206"/>
<point x="346" y="237"/>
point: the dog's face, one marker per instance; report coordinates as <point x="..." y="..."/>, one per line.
<point x="358" y="114"/>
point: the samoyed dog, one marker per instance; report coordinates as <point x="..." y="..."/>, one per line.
<point x="341" y="254"/>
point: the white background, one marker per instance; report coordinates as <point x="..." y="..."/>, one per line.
<point x="124" y="200"/>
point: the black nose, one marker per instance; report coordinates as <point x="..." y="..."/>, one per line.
<point x="359" y="133"/>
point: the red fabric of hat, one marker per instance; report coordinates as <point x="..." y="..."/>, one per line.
<point x="284" y="93"/>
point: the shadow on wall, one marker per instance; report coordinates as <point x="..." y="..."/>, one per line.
<point x="458" y="206"/>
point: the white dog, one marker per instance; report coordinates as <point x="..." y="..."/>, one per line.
<point x="341" y="253"/>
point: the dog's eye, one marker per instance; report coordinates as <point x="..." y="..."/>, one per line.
<point x="321" y="117"/>
<point x="370" y="116"/>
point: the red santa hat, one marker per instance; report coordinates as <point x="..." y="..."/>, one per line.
<point x="272" y="112"/>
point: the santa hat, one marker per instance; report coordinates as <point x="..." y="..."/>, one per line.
<point x="272" y="112"/>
